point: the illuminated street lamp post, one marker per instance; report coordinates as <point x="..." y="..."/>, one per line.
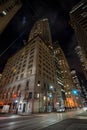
<point x="49" y="101"/>
<point x="39" y="94"/>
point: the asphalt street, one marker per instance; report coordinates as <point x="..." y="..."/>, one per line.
<point x="77" y="123"/>
<point x="69" y="124"/>
<point x="71" y="120"/>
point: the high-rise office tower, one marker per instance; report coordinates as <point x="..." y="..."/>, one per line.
<point x="65" y="69"/>
<point x="32" y="79"/>
<point x="82" y="59"/>
<point x="78" y="16"/>
<point x="69" y="98"/>
<point x="77" y="88"/>
<point x="42" y="29"/>
<point x="60" y="92"/>
<point x="8" y="8"/>
<point x="29" y="77"/>
<point x="75" y="80"/>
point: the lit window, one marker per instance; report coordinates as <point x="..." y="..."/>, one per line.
<point x="84" y="14"/>
<point x="4" y="12"/>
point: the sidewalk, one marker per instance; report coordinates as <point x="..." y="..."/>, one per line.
<point x="24" y="114"/>
<point x="17" y="115"/>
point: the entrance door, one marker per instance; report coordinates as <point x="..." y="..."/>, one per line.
<point x="24" y="105"/>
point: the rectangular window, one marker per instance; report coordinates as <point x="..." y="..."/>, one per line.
<point x="21" y="75"/>
<point x="30" y="95"/>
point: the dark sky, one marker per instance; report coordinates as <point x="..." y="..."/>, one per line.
<point x="32" y="10"/>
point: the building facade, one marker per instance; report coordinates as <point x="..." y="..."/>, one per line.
<point x="77" y="89"/>
<point x="29" y="76"/>
<point x="78" y="16"/>
<point x="60" y="92"/>
<point x="69" y="98"/>
<point x="41" y="28"/>
<point x="8" y="8"/>
<point x="83" y="60"/>
<point x="37" y="77"/>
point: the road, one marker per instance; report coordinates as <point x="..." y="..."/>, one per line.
<point x="35" y="121"/>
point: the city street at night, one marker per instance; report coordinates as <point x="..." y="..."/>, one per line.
<point x="52" y="121"/>
<point x="43" y="65"/>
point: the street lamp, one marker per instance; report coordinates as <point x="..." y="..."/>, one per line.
<point x="51" y="93"/>
<point x="39" y="94"/>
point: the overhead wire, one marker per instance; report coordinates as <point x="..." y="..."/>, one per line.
<point x="36" y="14"/>
<point x="12" y="43"/>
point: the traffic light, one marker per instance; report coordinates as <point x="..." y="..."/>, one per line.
<point x="14" y="95"/>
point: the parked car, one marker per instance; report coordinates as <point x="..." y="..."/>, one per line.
<point x="85" y="108"/>
<point x="61" y="110"/>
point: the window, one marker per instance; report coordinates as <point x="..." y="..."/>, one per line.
<point x="23" y="65"/>
<point x="31" y="56"/>
<point x="29" y="71"/>
<point x="32" y="49"/>
<point x="27" y="83"/>
<point x="39" y="66"/>
<point x="38" y="84"/>
<point x="30" y="95"/>
<point x="30" y="66"/>
<point x="39" y="72"/>
<point x="31" y="61"/>
<point x="32" y="53"/>
<point x="84" y="14"/>
<point x="44" y="86"/>
<point x="22" y="70"/>
<point x="21" y="75"/>
<point x="1" y="14"/>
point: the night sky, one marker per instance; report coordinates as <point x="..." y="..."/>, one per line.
<point x="19" y="28"/>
